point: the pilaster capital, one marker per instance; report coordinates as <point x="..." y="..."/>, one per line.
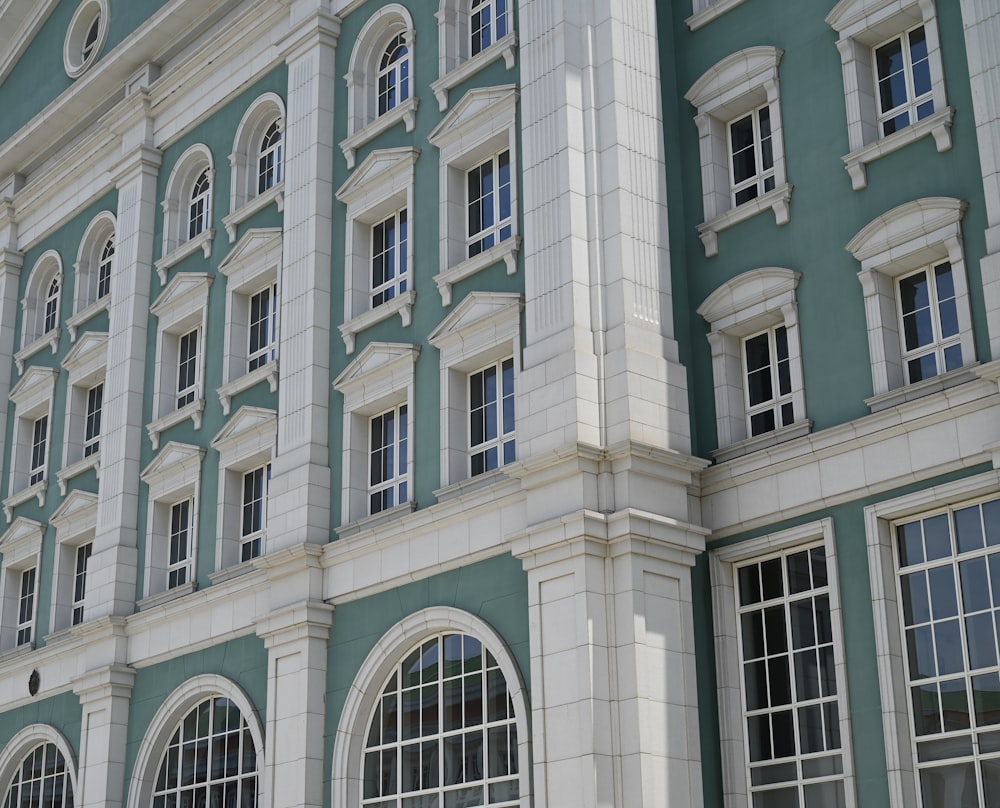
<point x="305" y="621"/>
<point x="142" y="161"/>
<point x="320" y="28"/>
<point x="11" y="262"/>
<point x="104" y="683"/>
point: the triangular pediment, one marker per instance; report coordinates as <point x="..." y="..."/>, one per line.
<point x="89" y="345"/>
<point x="476" y="105"/>
<point x="173" y="456"/>
<point x="21" y="531"/>
<point x="78" y="510"/>
<point x="476" y="308"/>
<point x="36" y="382"/>
<point x="254" y="246"/>
<point x="378" y="165"/>
<point x="183" y="287"/>
<point x="376" y="358"/>
<point x="246" y="420"/>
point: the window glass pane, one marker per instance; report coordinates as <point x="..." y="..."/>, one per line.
<point x="937" y="537"/>
<point x="954" y="705"/>
<point x="986" y="700"/>
<point x="920" y="652"/>
<point x="777" y="798"/>
<point x="949" y="786"/>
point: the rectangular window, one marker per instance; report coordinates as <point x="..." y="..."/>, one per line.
<point x="92" y="427"/>
<point x="39" y="437"/>
<point x="948" y="573"/>
<point x="263" y="331"/>
<point x="179" y="560"/>
<point x="767" y="371"/>
<point x="491" y="417"/>
<point x="83" y="553"/>
<point x="928" y="315"/>
<point x="790" y="705"/>
<point x="903" y="81"/>
<point x="388" y="469"/>
<point x="489" y="208"/>
<point x="187" y="367"/>
<point x="26" y="606"/>
<point x="751" y="155"/>
<point x="389" y="258"/>
<point x="254" y="512"/>
<point x="490" y="22"/>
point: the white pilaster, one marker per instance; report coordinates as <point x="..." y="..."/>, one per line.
<point x="11" y="262"/>
<point x="105" y="696"/>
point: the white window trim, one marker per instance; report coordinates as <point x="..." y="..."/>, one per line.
<point x="382" y="376"/>
<point x="247" y="442"/>
<point x="381" y="185"/>
<point x="21" y="547"/>
<point x="897" y="243"/>
<point x="86" y="367"/>
<point x="749" y="303"/>
<point x="862" y="25"/>
<point x="86" y="303"/>
<point x="255" y="262"/>
<point x="33" y="396"/>
<point x="707" y="10"/>
<point x="371" y="677"/>
<point x="75" y="522"/>
<point x="180" y="308"/>
<point x="728" y="667"/>
<point x="363" y="121"/>
<point x="889" y="646"/>
<point x="482" y="124"/>
<point x="455" y="65"/>
<point x="173" y="476"/>
<point x="176" y="244"/>
<point x="484" y="327"/>
<point x="34" y="339"/>
<point x="24" y="741"/>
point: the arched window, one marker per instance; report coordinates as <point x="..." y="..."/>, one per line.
<point x="269" y="166"/>
<point x="42" y="779"/>
<point x="393" y="75"/>
<point x="187" y="208"/>
<point x="41" y="303"/>
<point x="198" y="209"/>
<point x="258" y="162"/>
<point x="104" y="269"/>
<point x="93" y="269"/>
<point x="51" y="307"/>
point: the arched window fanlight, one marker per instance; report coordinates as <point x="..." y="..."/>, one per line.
<point x="42" y="779"/>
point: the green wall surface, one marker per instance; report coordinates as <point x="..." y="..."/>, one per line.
<point x="63" y="712"/>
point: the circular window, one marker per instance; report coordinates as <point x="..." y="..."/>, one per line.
<point x="86" y="36"/>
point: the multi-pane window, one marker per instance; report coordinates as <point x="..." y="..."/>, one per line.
<point x="752" y="155"/>
<point x="211" y="760"/>
<point x="929" y="323"/>
<point x="42" y="779"/>
<point x="491" y="417"/>
<point x="187" y="367"/>
<point x="790" y="706"/>
<point x="253" y="512"/>
<point x="92" y="424"/>
<point x="262" y="331"/>
<point x="488" y="205"/>
<point x="388" y="464"/>
<point x="198" y="209"/>
<point x="948" y="572"/>
<point x="26" y="606"/>
<point x="489" y="21"/>
<point x="903" y="79"/>
<point x="83" y="553"/>
<point x="179" y="557"/>
<point x="51" y="314"/>
<point x="269" y="166"/>
<point x="39" y="439"/>
<point x="104" y="269"/>
<point x="393" y="75"/>
<point x="443" y="731"/>
<point x="389" y="258"/>
<point x="767" y="371"/>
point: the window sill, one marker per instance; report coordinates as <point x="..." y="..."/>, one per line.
<point x="235" y="571"/>
<point x="471" y="484"/>
<point x="768" y="439"/>
<point x="229" y="391"/>
<point x="505" y="251"/>
<point x="401" y="304"/>
<point x="17" y="651"/>
<point x="505" y="47"/>
<point x="63" y="476"/>
<point x="202" y="241"/>
<point x="777" y="200"/>
<point x="36" y="491"/>
<point x="375" y="520"/>
<point x="194" y="411"/>
<point x="275" y="194"/>
<point x="48" y="340"/>
<point x="911" y="392"/>
<point x="938" y="125"/>
<point x="714" y="10"/>
<point x="73" y="323"/>
<point x="406" y="112"/>
<point x="166" y="596"/>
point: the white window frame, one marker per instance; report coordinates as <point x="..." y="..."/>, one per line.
<point x="398" y="447"/>
<point x="363" y="120"/>
<point x="503" y="438"/>
<point x="90" y="261"/>
<point x="245" y="198"/>
<point x="172" y="477"/>
<point x="723" y="563"/>
<point x="754" y="301"/>
<point x="21" y="546"/>
<point x="381" y="186"/>
<point x="252" y="265"/>
<point x="480" y="126"/>
<point x="704" y="11"/>
<point x="381" y="377"/>
<point x="86" y="366"/>
<point x="778" y="400"/>
<point x="728" y="91"/>
<point x="890" y="648"/>
<point x="180" y="309"/>
<point x="484" y="328"/>
<point x="456" y="62"/>
<point x="33" y="398"/>
<point x="901" y="241"/>
<point x="247" y="442"/>
<point x="863" y="25"/>
<point x="34" y="336"/>
<point x="15" y="758"/>
<point x="75" y="522"/>
<point x="177" y="243"/>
